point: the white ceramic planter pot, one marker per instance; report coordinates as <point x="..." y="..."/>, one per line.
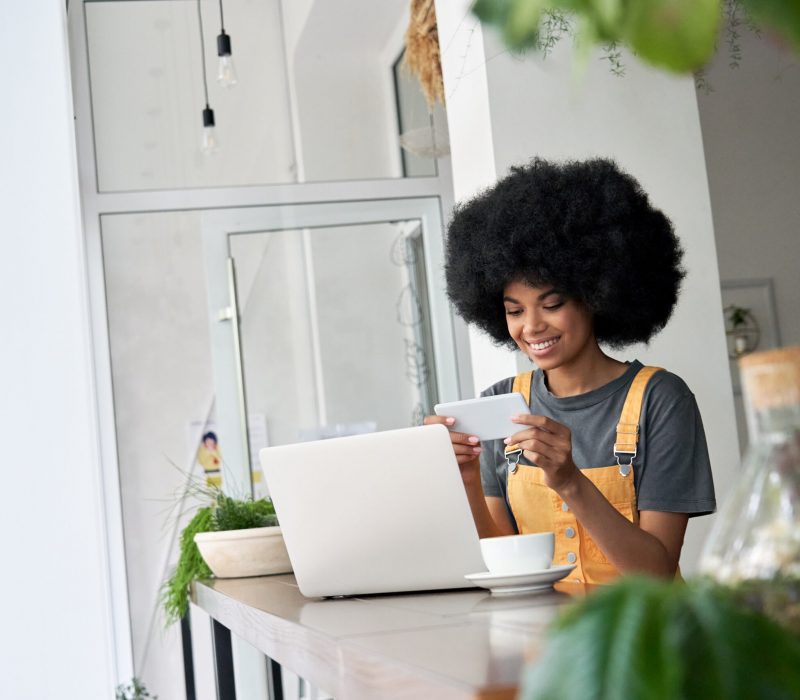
<point x="257" y="551"/>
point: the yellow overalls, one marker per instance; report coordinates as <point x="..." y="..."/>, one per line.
<point x="537" y="508"/>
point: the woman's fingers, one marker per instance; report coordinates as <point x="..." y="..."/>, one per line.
<point x="464" y="439"/>
<point x="543" y="423"/>
<point x="444" y="420"/>
<point x="552" y="455"/>
<point x="548" y="439"/>
<point x="466" y="447"/>
<point x="537" y="459"/>
<point x="456" y="437"/>
<point x="470" y="449"/>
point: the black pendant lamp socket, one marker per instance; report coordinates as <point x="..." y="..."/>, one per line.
<point x="209" y="143"/>
<point x="226" y="72"/>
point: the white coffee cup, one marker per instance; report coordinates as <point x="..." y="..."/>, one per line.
<point x="518" y="554"/>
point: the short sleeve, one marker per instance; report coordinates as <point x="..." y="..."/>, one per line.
<point x="493" y="472"/>
<point x="676" y="471"/>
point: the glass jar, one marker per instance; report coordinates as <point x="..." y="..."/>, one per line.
<point x="754" y="546"/>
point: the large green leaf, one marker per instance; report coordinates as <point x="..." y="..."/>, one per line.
<point x="679" y="35"/>
<point x="782" y="16"/>
<point x="676" y="34"/>
<point x="653" y="640"/>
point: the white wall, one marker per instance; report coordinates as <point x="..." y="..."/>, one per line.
<point x="752" y="153"/>
<point x="648" y="122"/>
<point x="752" y="150"/>
<point x="57" y="638"/>
<point x="471" y="147"/>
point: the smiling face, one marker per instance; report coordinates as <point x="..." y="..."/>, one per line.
<point x="551" y="329"/>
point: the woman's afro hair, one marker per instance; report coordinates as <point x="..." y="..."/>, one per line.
<point x="585" y="228"/>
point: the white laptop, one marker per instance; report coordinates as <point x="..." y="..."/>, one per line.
<point x="377" y="513"/>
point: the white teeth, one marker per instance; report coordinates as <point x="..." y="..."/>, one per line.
<point x="545" y="344"/>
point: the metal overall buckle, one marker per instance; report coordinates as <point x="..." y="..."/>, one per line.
<point x="631" y="430"/>
<point x="624" y="467"/>
<point x="512" y="459"/>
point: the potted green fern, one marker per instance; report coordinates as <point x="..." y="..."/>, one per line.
<point x="229" y="538"/>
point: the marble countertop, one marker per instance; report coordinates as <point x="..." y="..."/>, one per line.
<point x="447" y="644"/>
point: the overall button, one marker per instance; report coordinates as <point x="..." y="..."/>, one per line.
<point x="577" y="580"/>
<point x="572" y="557"/>
<point x="570" y="532"/>
<point x="564" y="507"/>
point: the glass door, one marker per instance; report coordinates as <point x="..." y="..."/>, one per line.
<point x="325" y="320"/>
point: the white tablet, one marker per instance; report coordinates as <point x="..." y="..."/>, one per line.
<point x="488" y="417"/>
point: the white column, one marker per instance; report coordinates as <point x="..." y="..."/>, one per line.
<point x="58" y="637"/>
<point x="471" y="147"/>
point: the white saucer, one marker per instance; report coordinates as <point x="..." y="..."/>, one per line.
<point x="506" y="584"/>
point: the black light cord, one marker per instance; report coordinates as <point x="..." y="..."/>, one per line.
<point x="221" y="18"/>
<point x="202" y="52"/>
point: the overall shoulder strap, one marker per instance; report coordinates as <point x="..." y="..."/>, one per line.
<point x="628" y="426"/>
<point x="522" y="384"/>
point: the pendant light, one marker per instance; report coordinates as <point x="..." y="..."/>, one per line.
<point x="209" y="143"/>
<point x="226" y="73"/>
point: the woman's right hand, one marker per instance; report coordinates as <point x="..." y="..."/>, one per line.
<point x="466" y="447"/>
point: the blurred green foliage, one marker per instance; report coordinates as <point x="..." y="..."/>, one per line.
<point x="676" y="35"/>
<point x="662" y="640"/>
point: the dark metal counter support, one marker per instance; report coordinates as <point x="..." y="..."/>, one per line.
<point x="274" y="679"/>
<point x="188" y="658"/>
<point x="223" y="661"/>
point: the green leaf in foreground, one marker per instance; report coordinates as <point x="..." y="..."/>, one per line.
<point x="654" y="640"/>
<point x="679" y="35"/>
<point x="781" y="16"/>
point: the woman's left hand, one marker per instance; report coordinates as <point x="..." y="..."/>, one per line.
<point x="548" y="445"/>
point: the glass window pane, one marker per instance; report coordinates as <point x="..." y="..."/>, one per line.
<point x="147" y="96"/>
<point x="163" y="390"/>
<point x="335" y="338"/>
<point x="335" y="329"/>
<point x="415" y="123"/>
<point x="315" y="99"/>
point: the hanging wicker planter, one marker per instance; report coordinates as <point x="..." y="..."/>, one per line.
<point x="422" y="50"/>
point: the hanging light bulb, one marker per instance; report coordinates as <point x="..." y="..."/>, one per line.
<point x="210" y="142"/>
<point x="226" y="73"/>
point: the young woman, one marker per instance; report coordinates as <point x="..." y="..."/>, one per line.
<point x="557" y="260"/>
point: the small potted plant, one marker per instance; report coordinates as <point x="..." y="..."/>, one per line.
<point x="741" y="327"/>
<point x="737" y="316"/>
<point x="135" y="690"/>
<point x="229" y="538"/>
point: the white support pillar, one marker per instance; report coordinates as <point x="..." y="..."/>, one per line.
<point x="58" y="625"/>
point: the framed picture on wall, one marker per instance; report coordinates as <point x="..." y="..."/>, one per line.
<point x="751" y="320"/>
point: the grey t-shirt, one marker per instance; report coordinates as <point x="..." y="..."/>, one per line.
<point x="671" y="469"/>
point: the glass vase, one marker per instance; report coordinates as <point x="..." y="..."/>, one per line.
<point x="754" y="546"/>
